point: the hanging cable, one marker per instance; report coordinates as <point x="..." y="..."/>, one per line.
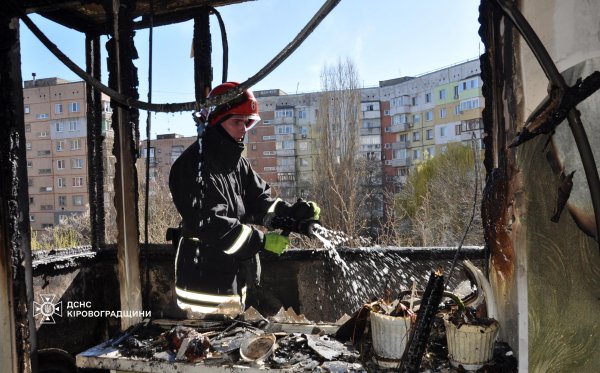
<point x="186" y="106"/>
<point x="475" y="195"/>
<point x="224" y="43"/>
<point x="148" y="143"/>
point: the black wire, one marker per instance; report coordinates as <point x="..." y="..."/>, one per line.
<point x="185" y="106"/>
<point x="468" y="227"/>
<point x="148" y="143"/>
<point x="223" y="42"/>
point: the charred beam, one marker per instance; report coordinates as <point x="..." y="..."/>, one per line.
<point x="17" y="337"/>
<point x="202" y="54"/>
<point x="95" y="142"/>
<point x="123" y="78"/>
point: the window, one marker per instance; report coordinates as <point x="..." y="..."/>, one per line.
<point x="414" y="101"/>
<point x="29" y="164"/>
<point x="106" y="107"/>
<point x="60" y="164"/>
<point x="303" y="145"/>
<point x="73" y="126"/>
<point x="78" y="181"/>
<point x="268" y="137"/>
<point x="61" y="182"/>
<point x="28" y="128"/>
<point x="42" y="116"/>
<point x="429" y="134"/>
<point x="443" y="131"/>
<point x="442" y="94"/>
<point x="30" y="182"/>
<point x="46" y="207"/>
<point x="58" y="108"/>
<point x="386" y="112"/>
<point x="31" y="201"/>
<point x="469" y="104"/>
<point x="62" y="218"/>
<point x="457" y="110"/>
<point x="417" y="154"/>
<point x="267" y="121"/>
<point x="270" y="169"/>
<point x="302" y="114"/>
<point x="31" y="217"/>
<point x="268" y="152"/>
<point x="284" y="130"/>
<point x="62" y="200"/>
<point x="303" y="162"/>
<point x="284" y="113"/>
<point x="431" y="152"/>
<point x="42" y="153"/>
<point x="58" y="126"/>
<point x="60" y="145"/>
<point x="43" y="134"/>
<point x="253" y="146"/>
<point x="443" y="112"/>
<point x="77" y="200"/>
<point x="416" y="136"/>
<point x="429" y="116"/>
<point x="457" y="129"/>
<point x="176" y="151"/>
<point x="403" y="137"/>
<point x="456" y="92"/>
<point x="304" y="131"/>
<point x="77" y="163"/>
<point x="75" y="145"/>
<point x="416" y="119"/>
<point x="47" y="226"/>
<point x="26" y="109"/>
<point x="28" y="145"/>
<point x="44" y="171"/>
<point x="428" y="97"/>
<point x="74" y="107"/>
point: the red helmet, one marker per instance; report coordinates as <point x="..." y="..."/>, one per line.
<point x="245" y="105"/>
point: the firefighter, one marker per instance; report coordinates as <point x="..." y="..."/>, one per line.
<point x="218" y="194"/>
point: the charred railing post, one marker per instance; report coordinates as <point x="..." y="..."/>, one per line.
<point x="95" y="142"/>
<point x="123" y="78"/>
<point x="202" y="54"/>
<point x="18" y="344"/>
<point x="420" y="335"/>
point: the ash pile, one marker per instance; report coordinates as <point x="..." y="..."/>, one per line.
<point x="285" y="341"/>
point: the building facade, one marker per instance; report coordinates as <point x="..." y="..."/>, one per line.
<point x="404" y="121"/>
<point x="56" y="143"/>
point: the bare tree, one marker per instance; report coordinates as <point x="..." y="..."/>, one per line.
<point x="162" y="213"/>
<point x="436" y="203"/>
<point x="340" y="170"/>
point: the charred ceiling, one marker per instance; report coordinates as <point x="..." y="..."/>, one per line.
<point x="90" y="16"/>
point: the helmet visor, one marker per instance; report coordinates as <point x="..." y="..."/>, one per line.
<point x="249" y="120"/>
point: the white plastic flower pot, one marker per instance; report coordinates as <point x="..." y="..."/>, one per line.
<point x="390" y="336"/>
<point x="471" y="346"/>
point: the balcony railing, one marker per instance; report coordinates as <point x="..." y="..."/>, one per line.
<point x="398" y="128"/>
<point x="370" y="131"/>
<point x="401" y="145"/>
<point x="286" y="152"/>
<point x="398" y="162"/>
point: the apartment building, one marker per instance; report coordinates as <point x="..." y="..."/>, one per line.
<point x="164" y="150"/>
<point x="404" y="121"/>
<point x="56" y="143"/>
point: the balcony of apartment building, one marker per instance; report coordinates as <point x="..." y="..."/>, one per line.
<point x="370" y="131"/>
<point x="284" y="115"/>
<point x="401" y="105"/>
<point x="398" y="162"/>
<point x="395" y="128"/>
<point x="405" y="144"/>
<point x="370" y="147"/>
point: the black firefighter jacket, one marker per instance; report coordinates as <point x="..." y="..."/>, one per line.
<point x="217" y="194"/>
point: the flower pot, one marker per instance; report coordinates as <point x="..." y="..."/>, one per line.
<point x="470" y="345"/>
<point x="390" y="336"/>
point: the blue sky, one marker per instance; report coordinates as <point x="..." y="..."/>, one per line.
<point x="385" y="39"/>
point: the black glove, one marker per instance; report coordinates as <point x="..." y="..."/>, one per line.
<point x="301" y="210"/>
